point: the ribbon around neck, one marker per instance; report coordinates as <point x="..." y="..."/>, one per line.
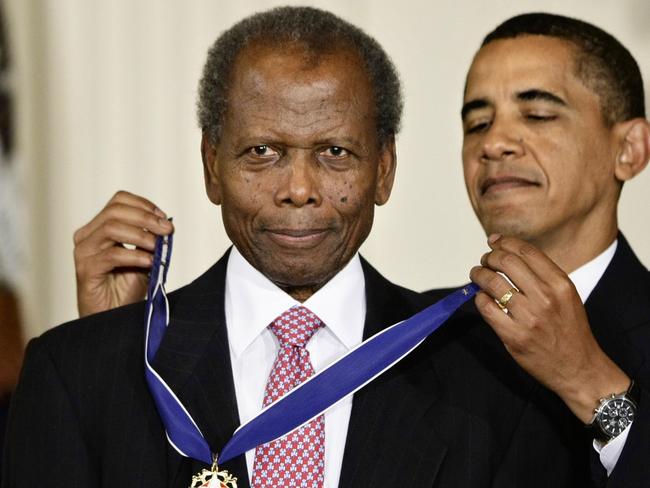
<point x="309" y="399"/>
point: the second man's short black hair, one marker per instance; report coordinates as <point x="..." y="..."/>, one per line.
<point x="602" y="63"/>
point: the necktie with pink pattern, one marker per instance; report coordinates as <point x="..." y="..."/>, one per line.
<point x="296" y="459"/>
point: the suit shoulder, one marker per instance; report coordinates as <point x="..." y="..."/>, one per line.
<point x="114" y="329"/>
<point x="382" y="292"/>
<point x="439" y="293"/>
<point x="111" y="327"/>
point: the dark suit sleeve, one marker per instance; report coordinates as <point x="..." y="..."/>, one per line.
<point x="44" y="441"/>
<point x="633" y="466"/>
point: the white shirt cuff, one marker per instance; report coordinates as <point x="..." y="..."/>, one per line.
<point x="610" y="452"/>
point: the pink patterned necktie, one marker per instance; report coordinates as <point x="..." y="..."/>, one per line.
<point x="297" y="459"/>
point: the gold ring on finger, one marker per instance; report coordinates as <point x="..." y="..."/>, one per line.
<point x="507" y="296"/>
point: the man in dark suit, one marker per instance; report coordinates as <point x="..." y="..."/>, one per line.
<point x="298" y="148"/>
<point x="554" y="124"/>
<point x="550" y="137"/>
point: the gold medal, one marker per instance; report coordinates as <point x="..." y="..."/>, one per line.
<point x="213" y="478"/>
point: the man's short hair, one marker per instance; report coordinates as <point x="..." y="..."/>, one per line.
<point x="602" y="63"/>
<point x="318" y="32"/>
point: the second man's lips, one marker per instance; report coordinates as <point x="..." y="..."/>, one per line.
<point x="505" y="183"/>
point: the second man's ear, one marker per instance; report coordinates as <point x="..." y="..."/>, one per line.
<point x="634" y="149"/>
<point x="210" y="170"/>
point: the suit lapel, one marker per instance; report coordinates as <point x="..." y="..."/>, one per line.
<point x="620" y="302"/>
<point x="194" y="360"/>
<point x="389" y="437"/>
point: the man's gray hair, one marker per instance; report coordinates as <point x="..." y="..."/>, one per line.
<point x="319" y="32"/>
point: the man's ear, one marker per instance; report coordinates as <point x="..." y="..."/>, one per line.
<point x="210" y="173"/>
<point x="634" y="149"/>
<point x="386" y="171"/>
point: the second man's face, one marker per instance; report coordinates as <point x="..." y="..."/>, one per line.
<point x="537" y="155"/>
<point x="299" y="167"/>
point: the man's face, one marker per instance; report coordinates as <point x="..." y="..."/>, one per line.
<point x="299" y="166"/>
<point x="538" y="158"/>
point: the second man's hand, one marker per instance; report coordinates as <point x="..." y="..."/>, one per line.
<point x="546" y="329"/>
<point x="110" y="274"/>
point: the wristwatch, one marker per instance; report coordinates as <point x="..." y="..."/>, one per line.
<point x="614" y="413"/>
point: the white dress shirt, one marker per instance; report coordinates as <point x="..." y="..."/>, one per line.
<point x="252" y="302"/>
<point x="585" y="279"/>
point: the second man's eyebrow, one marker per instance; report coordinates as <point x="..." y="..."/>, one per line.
<point x="523" y="96"/>
<point x="543" y="95"/>
<point x="475" y="104"/>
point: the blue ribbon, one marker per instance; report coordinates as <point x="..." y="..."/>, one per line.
<point x="182" y="432"/>
<point x="305" y="402"/>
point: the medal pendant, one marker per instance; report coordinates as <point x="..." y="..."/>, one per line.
<point x="213" y="478"/>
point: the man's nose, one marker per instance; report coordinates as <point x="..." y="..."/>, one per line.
<point x="301" y="182"/>
<point x="501" y="141"/>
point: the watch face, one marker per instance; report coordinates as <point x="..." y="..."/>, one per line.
<point x="616" y="415"/>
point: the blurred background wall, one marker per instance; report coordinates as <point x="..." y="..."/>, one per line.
<point x="105" y="94"/>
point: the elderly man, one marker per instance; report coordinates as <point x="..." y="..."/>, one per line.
<point x="554" y="124"/>
<point x="299" y="110"/>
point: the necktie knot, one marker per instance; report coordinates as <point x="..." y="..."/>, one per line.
<point x="296" y="326"/>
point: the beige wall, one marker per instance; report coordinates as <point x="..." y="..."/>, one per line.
<point x="107" y="91"/>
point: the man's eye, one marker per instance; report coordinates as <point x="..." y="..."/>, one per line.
<point x="477" y="127"/>
<point x="335" y="152"/>
<point x="262" y="151"/>
<point x="540" y="117"/>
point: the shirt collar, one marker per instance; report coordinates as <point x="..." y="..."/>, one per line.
<point x="252" y="302"/>
<point x="586" y="277"/>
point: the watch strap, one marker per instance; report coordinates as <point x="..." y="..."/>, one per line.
<point x="634" y="393"/>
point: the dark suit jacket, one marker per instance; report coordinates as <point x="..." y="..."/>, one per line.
<point x="619" y="315"/>
<point x="445" y="416"/>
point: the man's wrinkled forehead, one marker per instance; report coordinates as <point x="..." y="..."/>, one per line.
<point x="279" y="94"/>
<point x="265" y="74"/>
<point x="256" y="61"/>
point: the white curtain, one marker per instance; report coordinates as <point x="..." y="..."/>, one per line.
<point x="106" y="93"/>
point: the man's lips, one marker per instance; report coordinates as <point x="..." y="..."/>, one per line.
<point x="297" y="237"/>
<point x="503" y="183"/>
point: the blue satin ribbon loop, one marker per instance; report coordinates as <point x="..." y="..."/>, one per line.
<point x="305" y="402"/>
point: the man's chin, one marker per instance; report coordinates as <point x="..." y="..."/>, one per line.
<point x="301" y="278"/>
<point x="301" y="287"/>
<point x="514" y="227"/>
<point x="299" y="273"/>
